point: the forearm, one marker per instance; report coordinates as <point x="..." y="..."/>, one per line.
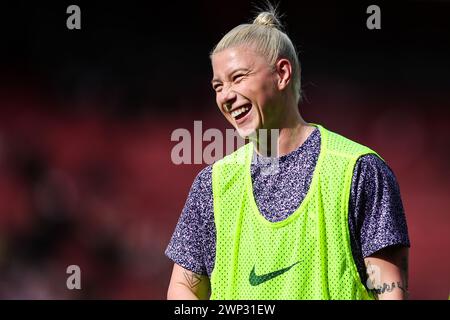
<point x="392" y="290"/>
<point x="187" y="285"/>
<point x="388" y="274"/>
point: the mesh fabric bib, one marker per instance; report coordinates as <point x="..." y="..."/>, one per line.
<point x="307" y="255"/>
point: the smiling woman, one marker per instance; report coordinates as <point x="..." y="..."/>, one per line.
<point x="246" y="97"/>
<point x="251" y="64"/>
<point x="303" y="231"/>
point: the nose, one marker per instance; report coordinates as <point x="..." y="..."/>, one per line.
<point x="227" y="98"/>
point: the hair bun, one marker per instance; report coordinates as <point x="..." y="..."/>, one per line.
<point x="268" y="19"/>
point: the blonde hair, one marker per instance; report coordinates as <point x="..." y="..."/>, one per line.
<point x="267" y="37"/>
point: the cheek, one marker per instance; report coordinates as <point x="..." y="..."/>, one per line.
<point x="261" y="91"/>
<point x="268" y="95"/>
<point x="218" y="103"/>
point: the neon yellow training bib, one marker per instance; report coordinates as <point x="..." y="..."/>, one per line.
<point x="307" y="255"/>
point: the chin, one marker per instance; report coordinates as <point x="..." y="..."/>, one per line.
<point x="246" y="132"/>
<point x="248" y="128"/>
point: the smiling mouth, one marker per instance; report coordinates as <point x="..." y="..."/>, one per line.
<point x="241" y="112"/>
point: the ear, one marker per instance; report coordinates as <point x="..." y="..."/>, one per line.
<point x="284" y="72"/>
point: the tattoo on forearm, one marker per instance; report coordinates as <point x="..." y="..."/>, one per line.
<point x="373" y="277"/>
<point x="374" y="280"/>
<point x="192" y="278"/>
<point x="386" y="288"/>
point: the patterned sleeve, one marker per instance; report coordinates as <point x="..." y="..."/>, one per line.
<point x="186" y="245"/>
<point x="377" y="218"/>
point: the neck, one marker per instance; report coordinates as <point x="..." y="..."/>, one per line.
<point x="288" y="137"/>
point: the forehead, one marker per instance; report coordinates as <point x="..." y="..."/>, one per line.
<point x="226" y="61"/>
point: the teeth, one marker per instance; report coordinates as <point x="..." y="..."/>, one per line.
<point x="237" y="112"/>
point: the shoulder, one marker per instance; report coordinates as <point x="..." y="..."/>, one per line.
<point x="339" y="145"/>
<point x="372" y="167"/>
<point x="203" y="178"/>
<point x="376" y="207"/>
<point x="373" y="179"/>
<point x="201" y="186"/>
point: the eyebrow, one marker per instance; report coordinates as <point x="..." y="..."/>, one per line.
<point x="234" y="71"/>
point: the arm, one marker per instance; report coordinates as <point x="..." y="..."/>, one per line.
<point x="187" y="246"/>
<point x="379" y="225"/>
<point x="187" y="285"/>
<point x="387" y="272"/>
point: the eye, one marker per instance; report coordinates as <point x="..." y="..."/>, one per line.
<point x="217" y="87"/>
<point x="237" y="77"/>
